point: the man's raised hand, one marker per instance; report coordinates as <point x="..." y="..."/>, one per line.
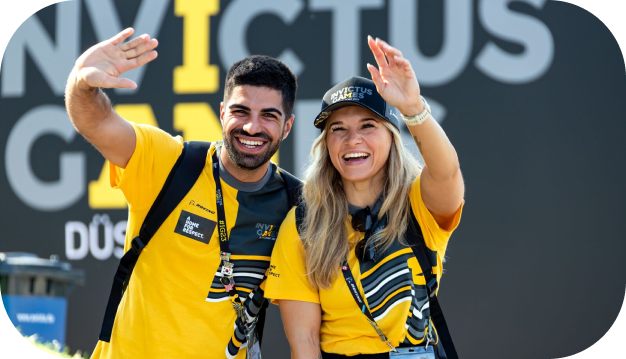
<point x="103" y="63"/>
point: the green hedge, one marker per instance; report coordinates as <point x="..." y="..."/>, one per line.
<point x="54" y="348"/>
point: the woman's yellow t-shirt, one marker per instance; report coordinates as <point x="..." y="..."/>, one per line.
<point x="393" y="287"/>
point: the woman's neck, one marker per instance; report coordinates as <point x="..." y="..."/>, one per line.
<point x="363" y="194"/>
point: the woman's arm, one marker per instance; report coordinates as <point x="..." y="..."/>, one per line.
<point x="302" y="326"/>
<point x="441" y="181"/>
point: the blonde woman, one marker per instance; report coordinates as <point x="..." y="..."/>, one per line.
<point x="362" y="191"/>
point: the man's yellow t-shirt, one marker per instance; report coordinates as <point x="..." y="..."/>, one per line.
<point x="393" y="287"/>
<point x="174" y="305"/>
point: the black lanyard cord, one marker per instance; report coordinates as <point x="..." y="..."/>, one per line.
<point x="227" y="267"/>
<point x="354" y="290"/>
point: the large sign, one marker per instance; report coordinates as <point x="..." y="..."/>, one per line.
<point x="526" y="90"/>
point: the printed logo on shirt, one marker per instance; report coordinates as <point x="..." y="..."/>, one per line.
<point x="194" y="204"/>
<point x="218" y="197"/>
<point x="195" y="227"/>
<point x="223" y="236"/>
<point x="273" y="272"/>
<point x="267" y="231"/>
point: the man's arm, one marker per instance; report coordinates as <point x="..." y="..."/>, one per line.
<point x="88" y="106"/>
<point x="302" y="322"/>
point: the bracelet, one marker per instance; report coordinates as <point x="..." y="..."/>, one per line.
<point x="419" y="118"/>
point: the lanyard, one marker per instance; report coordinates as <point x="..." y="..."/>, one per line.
<point x="227" y="267"/>
<point x="354" y="290"/>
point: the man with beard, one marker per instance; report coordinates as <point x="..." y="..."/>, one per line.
<point x="179" y="301"/>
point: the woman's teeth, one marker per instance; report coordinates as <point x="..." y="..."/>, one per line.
<point x="349" y="156"/>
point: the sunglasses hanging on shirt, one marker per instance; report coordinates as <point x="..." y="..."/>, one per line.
<point x="362" y="222"/>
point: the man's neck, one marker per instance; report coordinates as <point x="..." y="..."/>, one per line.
<point x="241" y="174"/>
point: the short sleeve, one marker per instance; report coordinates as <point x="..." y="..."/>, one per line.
<point x="287" y="278"/>
<point x="155" y="153"/>
<point x="438" y="235"/>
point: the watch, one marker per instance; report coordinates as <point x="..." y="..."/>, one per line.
<point x="419" y="118"/>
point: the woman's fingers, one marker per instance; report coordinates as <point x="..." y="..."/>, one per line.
<point x="378" y="80"/>
<point x="405" y="65"/>
<point x="390" y="51"/>
<point x="377" y="51"/>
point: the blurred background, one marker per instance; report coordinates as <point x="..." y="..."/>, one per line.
<point x="530" y="92"/>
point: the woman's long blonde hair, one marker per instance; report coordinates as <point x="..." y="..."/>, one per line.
<point x="324" y="232"/>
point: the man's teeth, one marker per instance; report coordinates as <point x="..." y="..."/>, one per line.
<point x="355" y="155"/>
<point x="250" y="144"/>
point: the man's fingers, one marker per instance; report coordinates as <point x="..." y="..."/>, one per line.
<point x="134" y="42"/>
<point x="141" y="49"/>
<point x="95" y="79"/>
<point x="378" y="53"/>
<point x="118" y="82"/>
<point x="143" y="59"/>
<point x="125" y="34"/>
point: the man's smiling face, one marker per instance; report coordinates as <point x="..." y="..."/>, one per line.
<point x="254" y="125"/>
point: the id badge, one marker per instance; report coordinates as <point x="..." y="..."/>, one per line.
<point x="414" y="353"/>
<point x="254" y="348"/>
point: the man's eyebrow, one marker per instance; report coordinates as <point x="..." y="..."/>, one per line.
<point x="241" y="107"/>
<point x="246" y="108"/>
<point x="272" y="109"/>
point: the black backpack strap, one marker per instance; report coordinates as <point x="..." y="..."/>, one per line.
<point x="415" y="239"/>
<point x="181" y="178"/>
<point x="293" y="185"/>
<point x="261" y="321"/>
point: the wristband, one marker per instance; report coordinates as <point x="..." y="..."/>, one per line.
<point x="419" y="118"/>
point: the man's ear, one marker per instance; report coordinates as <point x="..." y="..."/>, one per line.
<point x="288" y="125"/>
<point x="222" y="113"/>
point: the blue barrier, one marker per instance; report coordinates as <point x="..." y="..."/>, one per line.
<point x="34" y="293"/>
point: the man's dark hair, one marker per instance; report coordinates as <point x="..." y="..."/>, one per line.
<point x="265" y="71"/>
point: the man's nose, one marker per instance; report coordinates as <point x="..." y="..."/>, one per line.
<point x="253" y="125"/>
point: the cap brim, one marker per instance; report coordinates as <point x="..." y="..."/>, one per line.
<point x="320" y="119"/>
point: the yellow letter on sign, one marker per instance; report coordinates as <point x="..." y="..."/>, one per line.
<point x="196" y="75"/>
<point x="197" y="122"/>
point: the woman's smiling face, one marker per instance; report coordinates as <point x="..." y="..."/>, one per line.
<point x="358" y="144"/>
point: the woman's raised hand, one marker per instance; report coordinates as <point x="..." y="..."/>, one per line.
<point x="394" y="78"/>
<point x="102" y="64"/>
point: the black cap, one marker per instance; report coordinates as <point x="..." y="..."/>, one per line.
<point x="356" y="91"/>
